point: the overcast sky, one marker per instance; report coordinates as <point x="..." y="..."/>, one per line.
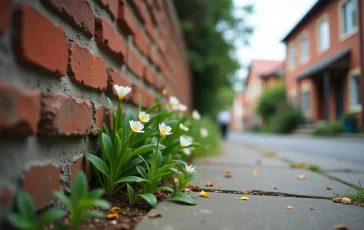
<point x="272" y="20"/>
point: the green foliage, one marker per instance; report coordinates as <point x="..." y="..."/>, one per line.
<point x="210" y="29"/>
<point x="349" y="117"/>
<point x="81" y="200"/>
<point x="283" y="121"/>
<point x="332" y="128"/>
<point x="357" y="196"/>
<point x="26" y="218"/>
<point x="270" y="100"/>
<point x="314" y="168"/>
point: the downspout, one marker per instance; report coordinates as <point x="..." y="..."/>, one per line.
<point x="361" y="48"/>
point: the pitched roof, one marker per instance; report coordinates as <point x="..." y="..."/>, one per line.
<point x="266" y="67"/>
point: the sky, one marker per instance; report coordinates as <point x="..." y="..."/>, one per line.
<point x="272" y="20"/>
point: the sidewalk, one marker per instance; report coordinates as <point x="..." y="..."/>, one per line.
<point x="254" y="170"/>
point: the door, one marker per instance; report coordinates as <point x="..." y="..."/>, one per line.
<point x="339" y="97"/>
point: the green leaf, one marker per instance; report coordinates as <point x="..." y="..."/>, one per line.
<point x="130" y="179"/>
<point x="101" y="203"/>
<point x="165" y="167"/>
<point x="182" y="197"/>
<point x="94" y="129"/>
<point x="63" y="198"/>
<point x="79" y="187"/>
<point x="93" y="213"/>
<point x="50" y="216"/>
<point x="111" y="106"/>
<point x="119" y="118"/>
<point x="132" y="163"/>
<point x="165" y="189"/>
<point x="120" y="132"/>
<point x="192" y="175"/>
<point x="152" y="107"/>
<point x="141" y="171"/>
<point x="107" y="147"/>
<point x="146" y="164"/>
<point x="98" y="163"/>
<point x="171" y="122"/>
<point x="159" y="159"/>
<point x="147" y="148"/>
<point x="150" y="198"/>
<point x="16" y="220"/>
<point x="130" y="193"/>
<point x="96" y="193"/>
<point x="174" y="183"/>
<point x="106" y="129"/>
<point x="129" y="116"/>
<point x="194" y="144"/>
<point x="26" y="206"/>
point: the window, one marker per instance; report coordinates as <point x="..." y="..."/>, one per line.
<point x="354" y="85"/>
<point x="305" y="103"/>
<point x="348" y="14"/>
<point x="292" y="57"/>
<point x="294" y="101"/>
<point x="324" y="35"/>
<point x="304" y="48"/>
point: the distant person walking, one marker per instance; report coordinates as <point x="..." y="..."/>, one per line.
<point x="224" y="118"/>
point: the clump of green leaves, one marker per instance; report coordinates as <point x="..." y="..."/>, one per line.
<point x="314" y="168"/>
<point x="81" y="200"/>
<point x="183" y="180"/>
<point x="357" y="196"/>
<point x="26" y="217"/>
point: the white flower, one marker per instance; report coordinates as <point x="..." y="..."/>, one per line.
<point x="136" y="126"/>
<point x="183" y="127"/>
<point x="122" y="91"/>
<point x="186" y="151"/>
<point x="190" y="169"/>
<point x="173" y="102"/>
<point x="183" y="142"/>
<point x="196" y="115"/>
<point x="204" y="132"/>
<point x="165" y="129"/>
<point x="182" y="108"/>
<point x="144" y="117"/>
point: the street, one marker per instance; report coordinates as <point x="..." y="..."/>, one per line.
<point x="347" y="149"/>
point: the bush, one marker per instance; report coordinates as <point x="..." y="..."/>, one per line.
<point x="333" y="128"/>
<point x="270" y="100"/>
<point x="283" y="121"/>
<point x="348" y="117"/>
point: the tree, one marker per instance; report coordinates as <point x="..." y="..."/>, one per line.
<point x="211" y="29"/>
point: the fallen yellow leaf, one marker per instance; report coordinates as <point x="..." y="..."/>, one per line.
<point x="154" y="215"/>
<point x="217" y="186"/>
<point x="115" y="209"/>
<point x="337" y="199"/>
<point x="341" y="227"/>
<point x="345" y="200"/>
<point x="209" y="184"/>
<point x="112" y="216"/>
<point x="204" y="194"/>
<point x="236" y="198"/>
<point x="289" y="207"/>
<point x="244" y="198"/>
<point x="255" y="173"/>
<point x="227" y="170"/>
<point x="301" y="177"/>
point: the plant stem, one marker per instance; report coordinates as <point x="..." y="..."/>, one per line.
<point x="154" y="160"/>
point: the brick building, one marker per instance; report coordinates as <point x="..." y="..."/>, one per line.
<point x="324" y="60"/>
<point x="262" y="74"/>
<point x="58" y="60"/>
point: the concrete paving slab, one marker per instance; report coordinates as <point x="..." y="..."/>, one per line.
<point x="223" y="212"/>
<point x="270" y="180"/>
<point x="352" y="178"/>
<point x="325" y="163"/>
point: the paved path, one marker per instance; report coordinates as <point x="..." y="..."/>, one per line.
<point x="252" y="168"/>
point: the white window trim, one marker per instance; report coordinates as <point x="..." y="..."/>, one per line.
<point x="343" y="37"/>
<point x="352" y="73"/>
<point x="318" y="22"/>
<point x="305" y="33"/>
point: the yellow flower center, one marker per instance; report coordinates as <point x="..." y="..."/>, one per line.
<point x="142" y="118"/>
<point x="121" y="98"/>
<point x="135" y="128"/>
<point x="163" y="131"/>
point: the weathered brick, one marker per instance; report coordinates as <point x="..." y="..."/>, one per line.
<point x="109" y="119"/>
<point x="159" y="84"/>
<point x="85" y="68"/>
<point x="112" y="6"/>
<point x="140" y="10"/>
<point x="117" y="78"/>
<point x="19" y="110"/>
<point x="77" y="166"/>
<point x="125" y="19"/>
<point x="149" y="75"/>
<point x="64" y="115"/>
<point x="39" y="41"/>
<point x="108" y="37"/>
<point x="6" y="196"/>
<point x="99" y="118"/>
<point x="136" y="91"/>
<point x="40" y="182"/>
<point x="78" y="12"/>
<point x="5" y="14"/>
<point x="151" y="31"/>
<point x="154" y="56"/>
<point x="141" y="42"/>
<point x="87" y="168"/>
<point x="135" y="63"/>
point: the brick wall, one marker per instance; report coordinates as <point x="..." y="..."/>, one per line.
<point x="58" y="61"/>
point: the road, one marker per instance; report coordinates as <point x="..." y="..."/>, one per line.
<point x="348" y="149"/>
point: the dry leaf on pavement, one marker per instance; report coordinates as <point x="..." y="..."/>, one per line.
<point x="341" y="227"/>
<point x="255" y="173"/>
<point x="204" y="194"/>
<point x="337" y="199"/>
<point x="112" y="216"/>
<point x="258" y="162"/>
<point x="227" y="171"/>
<point x="154" y="215"/>
<point x="298" y="166"/>
<point x="345" y="200"/>
<point x="217" y="186"/>
<point x="289" y="207"/>
<point x="301" y="177"/>
<point x="244" y="198"/>
<point x="244" y="191"/>
<point x="228" y="176"/>
<point x="115" y="209"/>
<point x="328" y="188"/>
<point x="196" y="188"/>
<point x="236" y="198"/>
<point x="209" y="184"/>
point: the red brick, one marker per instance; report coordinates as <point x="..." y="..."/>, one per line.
<point x="159" y="84"/>
<point x="85" y="68"/>
<point x="108" y="37"/>
<point x="154" y="56"/>
<point x="5" y="14"/>
<point x="6" y="196"/>
<point x="109" y="119"/>
<point x="76" y="167"/>
<point x="65" y="115"/>
<point x="136" y="91"/>
<point x="125" y="19"/>
<point x="151" y="31"/>
<point x="112" y="6"/>
<point x="141" y="42"/>
<point x="99" y="118"/>
<point x="140" y="10"/>
<point x="117" y="78"/>
<point x="135" y="63"/>
<point x="19" y="110"/>
<point x="149" y="75"/>
<point x="78" y="12"/>
<point x="40" y="182"/>
<point x="39" y="41"/>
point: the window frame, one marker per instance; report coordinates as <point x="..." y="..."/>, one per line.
<point x="358" y="107"/>
<point x="342" y="35"/>
<point x="290" y="66"/>
<point x="306" y="90"/>
<point x="304" y="34"/>
<point x="324" y="17"/>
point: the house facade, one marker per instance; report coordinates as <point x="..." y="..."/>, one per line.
<point x="262" y="75"/>
<point x="324" y="61"/>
